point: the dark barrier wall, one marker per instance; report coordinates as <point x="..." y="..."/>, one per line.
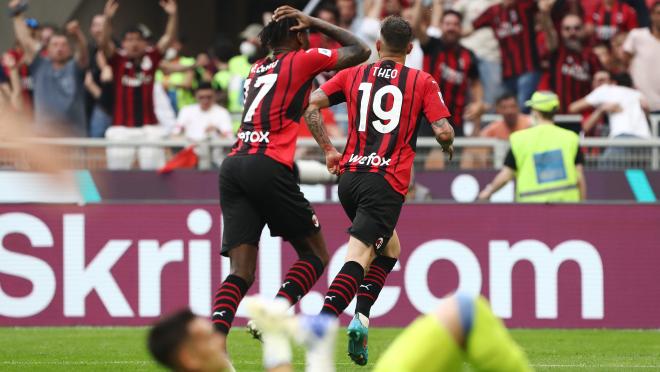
<point x="444" y="185"/>
<point x="541" y="266"/>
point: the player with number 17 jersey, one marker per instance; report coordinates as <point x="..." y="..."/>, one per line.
<point x="277" y="91"/>
<point x="387" y="102"/>
<point x="257" y="183"/>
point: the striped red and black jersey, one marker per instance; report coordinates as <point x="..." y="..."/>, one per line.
<point x="607" y="23"/>
<point x="569" y="74"/>
<point x="515" y="30"/>
<point x="387" y="103"/>
<point x="27" y="83"/>
<point x="453" y="67"/>
<point x="276" y="95"/>
<point x="134" y="88"/>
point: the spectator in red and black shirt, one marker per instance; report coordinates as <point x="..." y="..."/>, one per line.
<point x="609" y="18"/>
<point x="134" y="66"/>
<point x="455" y="69"/>
<point x="571" y="65"/>
<point x="513" y="22"/>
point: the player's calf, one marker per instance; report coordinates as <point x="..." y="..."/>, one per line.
<point x="300" y="278"/>
<point x="230" y="293"/>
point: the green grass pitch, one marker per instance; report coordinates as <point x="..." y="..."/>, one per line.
<point x="123" y="349"/>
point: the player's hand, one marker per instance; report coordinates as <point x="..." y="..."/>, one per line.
<point x="110" y="8"/>
<point x="73" y="28"/>
<point x="474" y="110"/>
<point x="13" y="4"/>
<point x="169" y="6"/>
<point x="9" y="61"/>
<point x="545" y="6"/>
<point x="449" y="149"/>
<point x="332" y="159"/>
<point x="483" y="196"/>
<point x="304" y="21"/>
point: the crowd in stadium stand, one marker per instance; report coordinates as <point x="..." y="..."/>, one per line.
<point x="487" y="55"/>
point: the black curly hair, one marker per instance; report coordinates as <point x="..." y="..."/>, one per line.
<point x="276" y="33"/>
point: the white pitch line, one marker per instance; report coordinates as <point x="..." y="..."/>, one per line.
<point x="144" y="362"/>
<point x="593" y="366"/>
<point x="117" y="362"/>
<point x="74" y="362"/>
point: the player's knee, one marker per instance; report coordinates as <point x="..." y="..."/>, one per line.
<point x="324" y="257"/>
<point x="247" y="275"/>
<point x="313" y="245"/>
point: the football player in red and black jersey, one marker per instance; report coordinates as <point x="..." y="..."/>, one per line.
<point x="257" y="184"/>
<point x="387" y="103"/>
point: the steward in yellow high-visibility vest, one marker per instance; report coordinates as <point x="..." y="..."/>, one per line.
<point x="545" y="159"/>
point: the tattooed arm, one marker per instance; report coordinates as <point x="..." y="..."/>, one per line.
<point x="315" y="124"/>
<point x="354" y="51"/>
<point x="444" y="134"/>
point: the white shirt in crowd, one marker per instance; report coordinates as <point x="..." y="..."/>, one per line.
<point x="482" y="41"/>
<point x="631" y="120"/>
<point x="194" y="123"/>
<point x="645" y="49"/>
<point x="369" y="32"/>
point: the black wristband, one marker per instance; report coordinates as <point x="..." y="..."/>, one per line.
<point x="18" y="10"/>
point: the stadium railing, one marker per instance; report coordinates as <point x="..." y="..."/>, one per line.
<point x="471" y="152"/>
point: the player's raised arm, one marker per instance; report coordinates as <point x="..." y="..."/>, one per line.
<point x="353" y="51"/>
<point x="170" y="7"/>
<point x="109" y="11"/>
<point x="21" y="30"/>
<point x="317" y="101"/>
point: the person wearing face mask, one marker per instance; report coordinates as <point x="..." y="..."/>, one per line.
<point x="178" y="76"/>
<point x="232" y="79"/>
<point x="571" y="65"/>
<point x="545" y="160"/>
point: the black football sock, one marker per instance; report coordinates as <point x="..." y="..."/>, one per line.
<point x="343" y="288"/>
<point x="226" y="300"/>
<point x="301" y="278"/>
<point x="373" y="283"/>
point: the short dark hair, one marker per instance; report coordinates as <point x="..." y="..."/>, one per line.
<point x="134" y="29"/>
<point x="59" y="33"/>
<point x="550" y="115"/>
<point x="454" y="13"/>
<point x="506" y="96"/>
<point x="397" y="33"/>
<point x="623" y="79"/>
<point x="166" y="337"/>
<point x="276" y="33"/>
<point x="204" y="85"/>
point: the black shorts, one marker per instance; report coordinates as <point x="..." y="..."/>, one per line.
<point x="256" y="190"/>
<point x="372" y="205"/>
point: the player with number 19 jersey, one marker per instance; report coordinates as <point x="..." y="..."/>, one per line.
<point x="277" y="92"/>
<point x="387" y="102"/>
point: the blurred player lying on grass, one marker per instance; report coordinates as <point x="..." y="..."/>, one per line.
<point x="462" y="329"/>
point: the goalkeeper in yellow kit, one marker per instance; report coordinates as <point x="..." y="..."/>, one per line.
<point x="462" y="329"/>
